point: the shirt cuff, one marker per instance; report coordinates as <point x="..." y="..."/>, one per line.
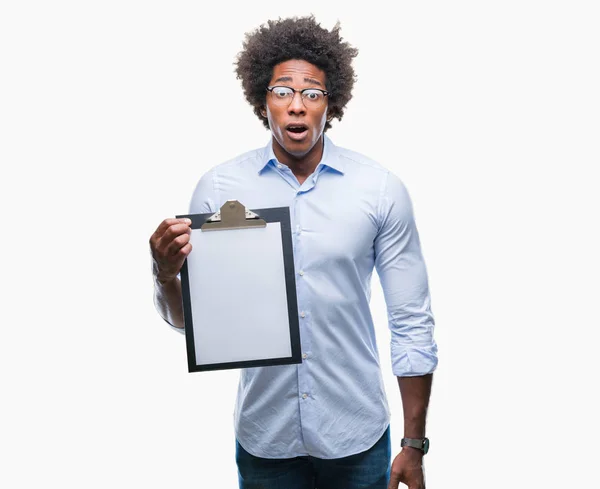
<point x="413" y="361"/>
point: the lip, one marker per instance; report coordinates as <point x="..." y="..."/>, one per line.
<point x="295" y="136"/>
<point x="296" y="124"/>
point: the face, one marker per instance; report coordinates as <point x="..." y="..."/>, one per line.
<point x="297" y="74"/>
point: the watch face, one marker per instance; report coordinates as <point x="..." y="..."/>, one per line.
<point x="425" y="445"/>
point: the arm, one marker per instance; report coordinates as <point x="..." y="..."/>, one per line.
<point x="168" y="301"/>
<point x="408" y="464"/>
<point x="170" y="247"/>
<point x="415" y="399"/>
<point x="403" y="276"/>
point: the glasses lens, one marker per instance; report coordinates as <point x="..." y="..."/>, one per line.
<point x="313" y="97"/>
<point x="282" y="95"/>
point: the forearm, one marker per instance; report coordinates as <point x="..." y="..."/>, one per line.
<point x="168" y="301"/>
<point x="415" y="392"/>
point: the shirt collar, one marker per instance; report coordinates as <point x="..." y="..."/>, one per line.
<point x="330" y="158"/>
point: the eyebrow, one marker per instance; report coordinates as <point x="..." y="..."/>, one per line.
<point x="289" y="79"/>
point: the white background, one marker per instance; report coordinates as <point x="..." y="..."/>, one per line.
<point x="111" y="111"/>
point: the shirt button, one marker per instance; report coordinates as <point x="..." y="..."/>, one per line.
<point x="279" y="166"/>
<point x="304" y="355"/>
<point x="301" y="272"/>
<point x="303" y="314"/>
<point x="304" y="396"/>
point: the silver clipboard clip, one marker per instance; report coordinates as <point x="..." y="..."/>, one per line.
<point x="233" y="215"/>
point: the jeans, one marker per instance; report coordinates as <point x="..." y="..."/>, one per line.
<point x="365" y="470"/>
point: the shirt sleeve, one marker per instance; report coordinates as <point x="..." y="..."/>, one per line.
<point x="204" y="199"/>
<point x="403" y="276"/>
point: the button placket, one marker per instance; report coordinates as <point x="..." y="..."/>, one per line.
<point x="304" y="374"/>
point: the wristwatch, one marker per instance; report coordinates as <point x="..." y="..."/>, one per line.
<point x="420" y="443"/>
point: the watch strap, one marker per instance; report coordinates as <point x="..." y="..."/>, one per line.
<point x="419" y="443"/>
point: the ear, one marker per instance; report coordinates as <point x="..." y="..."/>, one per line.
<point x="263" y="111"/>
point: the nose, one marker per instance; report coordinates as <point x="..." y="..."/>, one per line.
<point x="296" y="105"/>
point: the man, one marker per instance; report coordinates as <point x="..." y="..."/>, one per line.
<point x="325" y="422"/>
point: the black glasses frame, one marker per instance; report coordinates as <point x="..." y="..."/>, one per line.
<point x="325" y="92"/>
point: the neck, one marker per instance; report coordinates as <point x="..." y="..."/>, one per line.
<point x="301" y="166"/>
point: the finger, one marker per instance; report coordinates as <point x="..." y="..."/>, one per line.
<point x="394" y="482"/>
<point x="416" y="484"/>
<point x="163" y="227"/>
<point x="185" y="251"/>
<point x="175" y="230"/>
<point x="171" y="233"/>
<point x="167" y="256"/>
<point x="180" y="257"/>
<point x="177" y="243"/>
<point x="169" y="270"/>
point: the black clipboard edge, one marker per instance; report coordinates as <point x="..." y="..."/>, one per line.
<point x="273" y="214"/>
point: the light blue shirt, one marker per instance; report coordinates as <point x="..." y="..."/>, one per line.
<point x="349" y="216"/>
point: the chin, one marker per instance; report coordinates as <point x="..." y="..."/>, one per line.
<point x="299" y="149"/>
<point x="297" y="153"/>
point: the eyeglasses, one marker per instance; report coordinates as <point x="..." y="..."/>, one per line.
<point x="311" y="97"/>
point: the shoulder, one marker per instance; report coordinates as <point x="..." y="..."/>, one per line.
<point x="360" y="161"/>
<point x="387" y="169"/>
<point x="205" y="196"/>
<point x="248" y="160"/>
<point x="369" y="170"/>
<point x="390" y="187"/>
<point x="357" y="160"/>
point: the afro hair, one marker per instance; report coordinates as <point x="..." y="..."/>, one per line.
<point x="296" y="38"/>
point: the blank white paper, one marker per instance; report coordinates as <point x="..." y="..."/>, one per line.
<point x="238" y="295"/>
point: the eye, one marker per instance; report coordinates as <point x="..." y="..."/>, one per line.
<point x="312" y="95"/>
<point x="282" y="92"/>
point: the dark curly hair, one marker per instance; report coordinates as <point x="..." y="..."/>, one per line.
<point x="296" y="38"/>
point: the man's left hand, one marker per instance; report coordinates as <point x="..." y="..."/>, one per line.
<point x="407" y="467"/>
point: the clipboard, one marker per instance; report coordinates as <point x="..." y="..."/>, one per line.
<point x="239" y="290"/>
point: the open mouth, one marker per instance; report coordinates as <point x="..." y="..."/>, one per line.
<point x="296" y="131"/>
